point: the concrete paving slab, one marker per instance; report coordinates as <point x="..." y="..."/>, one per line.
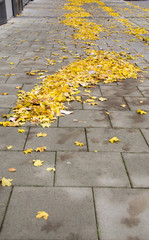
<point x="146" y="134"/>
<point x="138" y="168"/>
<point x="21" y="78"/>
<point x="136" y="103"/>
<point x="10" y="136"/>
<point x="122" y="213"/>
<point x="26" y="173"/>
<point x="9" y="88"/>
<point x="4" y="196"/>
<point x="119" y="91"/>
<point x="144" y="91"/>
<point x="71" y="214"/>
<point x="85" y="118"/>
<point x="90" y="169"/>
<point x="112" y="103"/>
<point x="131" y="140"/>
<point x="8" y="101"/>
<point x="129" y="119"/>
<point x="73" y="105"/>
<point x="58" y="139"/>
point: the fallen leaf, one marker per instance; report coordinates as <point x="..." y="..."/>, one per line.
<point x="38" y="163"/>
<point x="102" y="99"/>
<point x="10" y="146"/>
<point x="141" y="112"/>
<point x="5" y="93"/>
<point x="40" y="149"/>
<point x="51" y="169"/>
<point x="18" y="87"/>
<point x="79" y="144"/>
<point x="21" y="130"/>
<point x="95" y="151"/>
<point x="114" y="139"/>
<point x="6" y="182"/>
<point x="42" y="214"/>
<point x="28" y="151"/>
<point x="12" y="170"/>
<point x="41" y="134"/>
<point x="123" y="105"/>
<point x="12" y="63"/>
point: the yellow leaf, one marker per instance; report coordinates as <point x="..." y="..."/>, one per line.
<point x="5" y="93"/>
<point x="6" y="182"/>
<point x="12" y="170"/>
<point x="123" y="105"/>
<point x="42" y="214"/>
<point x="21" y="130"/>
<point x="51" y="169"/>
<point x="10" y="146"/>
<point x="45" y="125"/>
<point x="114" y="139"/>
<point x="102" y="99"/>
<point x="141" y="112"/>
<point x="95" y="150"/>
<point x="38" y="163"/>
<point x="28" y="151"/>
<point x="41" y="134"/>
<point x="12" y="63"/>
<point x="87" y="91"/>
<point x="18" y="87"/>
<point x="40" y="149"/>
<point x="42" y="48"/>
<point x="79" y="144"/>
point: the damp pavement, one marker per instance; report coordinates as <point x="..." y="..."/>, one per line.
<point x="99" y="191"/>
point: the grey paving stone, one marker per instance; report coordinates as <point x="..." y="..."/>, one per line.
<point x="138" y="168"/>
<point x="90" y="169"/>
<point x="8" y="101"/>
<point x="9" y="88"/>
<point x="71" y="214"/>
<point x="144" y="91"/>
<point x="122" y="213"/>
<point x="119" y="91"/>
<point x="26" y="173"/>
<point x="112" y="103"/>
<point x="85" y="118"/>
<point x="135" y="82"/>
<point x="10" y="136"/>
<point x="58" y="139"/>
<point x="4" y="196"/>
<point x="131" y="140"/>
<point x="146" y="134"/>
<point x="22" y="78"/>
<point x="136" y="103"/>
<point x="73" y="105"/>
<point x="129" y="119"/>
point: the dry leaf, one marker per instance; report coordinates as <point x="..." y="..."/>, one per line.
<point x="9" y="147"/>
<point x="12" y="170"/>
<point x="123" y="105"/>
<point x="102" y="99"/>
<point x="28" y="151"/>
<point x="51" y="169"/>
<point x="79" y="144"/>
<point x="114" y="139"/>
<point x="38" y="163"/>
<point x="141" y="112"/>
<point x="42" y="214"/>
<point x="21" y="130"/>
<point x="6" y="182"/>
<point x="5" y="93"/>
<point x="40" y="149"/>
<point x="41" y="134"/>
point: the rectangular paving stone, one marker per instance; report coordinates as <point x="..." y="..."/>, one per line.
<point x="146" y="134"/>
<point x="136" y="103"/>
<point x="131" y="140"/>
<point x="90" y="169"/>
<point x="122" y="213"/>
<point x="21" y="78"/>
<point x="112" y="103"/>
<point x="138" y="168"/>
<point x="128" y="119"/>
<point x="26" y="173"/>
<point x="8" y="101"/>
<point x="9" y="88"/>
<point x="144" y="91"/>
<point x="119" y="91"/>
<point x="11" y="136"/>
<point x="73" y="105"/>
<point x="4" y="196"/>
<point x="58" y="139"/>
<point x="71" y="214"/>
<point x="85" y="118"/>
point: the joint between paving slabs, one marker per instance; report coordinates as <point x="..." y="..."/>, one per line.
<point x="140" y="91"/>
<point x="54" y="177"/>
<point x="126" y="103"/>
<point x="144" y="137"/>
<point x="86" y="139"/>
<point x="26" y="138"/>
<point x="97" y="230"/>
<point x="126" y="170"/>
<point x="6" y="209"/>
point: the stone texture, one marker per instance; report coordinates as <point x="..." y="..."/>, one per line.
<point x="131" y="140"/>
<point x="58" y="139"/>
<point x="85" y="118"/>
<point x="26" y="173"/>
<point x="4" y="197"/>
<point x="90" y="169"/>
<point x="122" y="213"/>
<point x="8" y="101"/>
<point x="119" y="91"/>
<point x="71" y="214"/>
<point x="136" y="103"/>
<point x="144" y="91"/>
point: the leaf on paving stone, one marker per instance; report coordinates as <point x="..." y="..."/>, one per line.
<point x="141" y="101"/>
<point x="38" y="163"/>
<point x="7" y="74"/>
<point x="95" y="151"/>
<point x="94" y="103"/>
<point x="102" y="99"/>
<point x="6" y="182"/>
<point x="12" y="63"/>
<point x="28" y="151"/>
<point x="45" y="125"/>
<point x="51" y="169"/>
<point x="42" y="48"/>
<point x="18" y="87"/>
<point x="12" y="170"/>
<point x="66" y="112"/>
<point x="5" y="93"/>
<point x="88" y="91"/>
<point x="141" y="112"/>
<point x="79" y="144"/>
<point x="40" y="149"/>
<point x="123" y="105"/>
<point x="41" y="134"/>
<point x="21" y="130"/>
<point x="42" y="214"/>
<point x="114" y="139"/>
<point x="9" y="147"/>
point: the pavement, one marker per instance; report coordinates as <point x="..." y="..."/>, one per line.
<point x="99" y="191"/>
